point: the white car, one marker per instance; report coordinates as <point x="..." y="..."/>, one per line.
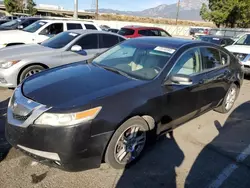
<point x="41" y="30"/>
<point x="241" y="49"/>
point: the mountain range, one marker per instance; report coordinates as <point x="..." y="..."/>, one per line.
<point x="189" y="10"/>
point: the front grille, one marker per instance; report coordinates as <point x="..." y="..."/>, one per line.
<point x="240" y="56"/>
<point x="19" y="117"/>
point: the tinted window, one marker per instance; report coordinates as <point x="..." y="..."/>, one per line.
<point x="125" y="31"/>
<point x="139" y="60"/>
<point x="188" y="64"/>
<point x="210" y="58"/>
<point x="230" y="41"/>
<point x="108" y="40"/>
<point x="121" y="39"/>
<point x="143" y="32"/>
<point x="34" y="27"/>
<point x="60" y="40"/>
<point x="149" y="32"/>
<point x="88" y="42"/>
<point x="90" y="26"/>
<point x="53" y="29"/>
<point x="71" y="26"/>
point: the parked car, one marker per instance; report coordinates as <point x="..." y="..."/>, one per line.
<point x="2" y="21"/>
<point x="18" y="23"/>
<point x="199" y="30"/>
<point x="21" y="61"/>
<point x="41" y="30"/>
<point x="140" y="31"/>
<point x="75" y="116"/>
<point x="10" y="17"/>
<point x="219" y="40"/>
<point x="104" y="27"/>
<point x="113" y="30"/>
<point x="241" y="49"/>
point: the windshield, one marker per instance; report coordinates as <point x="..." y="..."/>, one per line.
<point x="10" y="23"/>
<point x="211" y="39"/>
<point x="60" y="40"/>
<point x="138" y="60"/>
<point x="125" y="31"/>
<point x="244" y="40"/>
<point x="34" y="27"/>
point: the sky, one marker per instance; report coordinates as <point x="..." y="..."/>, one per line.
<point x="133" y="5"/>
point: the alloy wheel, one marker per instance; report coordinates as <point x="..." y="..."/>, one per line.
<point x="231" y="97"/>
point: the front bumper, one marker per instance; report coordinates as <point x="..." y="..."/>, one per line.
<point x="8" y="78"/>
<point x="75" y="148"/>
<point x="71" y="148"/>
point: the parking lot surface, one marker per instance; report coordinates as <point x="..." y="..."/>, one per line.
<point x="209" y="151"/>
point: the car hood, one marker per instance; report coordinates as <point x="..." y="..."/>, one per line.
<point x="10" y="36"/>
<point x="74" y="85"/>
<point x="20" y="52"/>
<point x="239" y="49"/>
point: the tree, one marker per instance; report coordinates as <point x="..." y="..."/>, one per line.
<point x="31" y="7"/>
<point x="13" y="5"/>
<point x="230" y="13"/>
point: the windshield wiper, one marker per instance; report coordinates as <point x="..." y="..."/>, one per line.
<point x="112" y="69"/>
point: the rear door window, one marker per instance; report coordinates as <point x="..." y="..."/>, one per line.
<point x="72" y="26"/>
<point x="210" y="58"/>
<point x="143" y="32"/>
<point x="88" y="42"/>
<point x="126" y="31"/>
<point x="164" y="33"/>
<point x="107" y="41"/>
<point x="90" y="26"/>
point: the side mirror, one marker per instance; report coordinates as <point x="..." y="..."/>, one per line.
<point x="179" y="79"/>
<point x="76" y="48"/>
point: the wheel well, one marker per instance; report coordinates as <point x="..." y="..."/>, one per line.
<point x="20" y="72"/>
<point x="13" y="44"/>
<point x="149" y="120"/>
<point x="237" y="84"/>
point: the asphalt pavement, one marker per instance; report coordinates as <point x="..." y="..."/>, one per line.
<point x="210" y="151"/>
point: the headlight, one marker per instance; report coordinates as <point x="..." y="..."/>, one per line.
<point x="6" y="65"/>
<point x="54" y="119"/>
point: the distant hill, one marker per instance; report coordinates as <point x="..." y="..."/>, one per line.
<point x="189" y="10"/>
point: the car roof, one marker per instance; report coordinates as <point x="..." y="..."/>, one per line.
<point x="90" y="31"/>
<point x="67" y="21"/>
<point x="215" y="36"/>
<point x="140" y="27"/>
<point x="167" y="41"/>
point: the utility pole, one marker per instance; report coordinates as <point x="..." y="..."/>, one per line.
<point x="97" y="10"/>
<point x="76" y="9"/>
<point x="178" y="10"/>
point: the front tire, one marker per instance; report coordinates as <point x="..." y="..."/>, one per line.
<point x="127" y="143"/>
<point x="229" y="100"/>
<point x="29" y="71"/>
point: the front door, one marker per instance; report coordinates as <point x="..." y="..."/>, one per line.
<point x="182" y="102"/>
<point x="90" y="49"/>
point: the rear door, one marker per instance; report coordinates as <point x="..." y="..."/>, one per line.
<point x="183" y="102"/>
<point x="90" y="46"/>
<point x="216" y="66"/>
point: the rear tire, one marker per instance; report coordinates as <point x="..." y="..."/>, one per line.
<point x="229" y="100"/>
<point x="127" y="143"/>
<point x="29" y="71"/>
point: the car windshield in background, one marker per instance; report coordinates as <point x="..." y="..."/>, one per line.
<point x="137" y="60"/>
<point x="125" y="31"/>
<point x="244" y="40"/>
<point x="34" y="27"/>
<point x="211" y="39"/>
<point x="11" y="23"/>
<point x="60" y="40"/>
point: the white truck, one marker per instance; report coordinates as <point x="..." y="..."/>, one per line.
<point x="241" y="49"/>
<point x="41" y="31"/>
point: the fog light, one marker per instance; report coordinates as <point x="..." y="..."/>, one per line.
<point x="2" y="80"/>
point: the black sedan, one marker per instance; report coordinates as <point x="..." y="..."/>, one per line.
<point x="18" y="23"/>
<point x="78" y="115"/>
<point x="219" y="40"/>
